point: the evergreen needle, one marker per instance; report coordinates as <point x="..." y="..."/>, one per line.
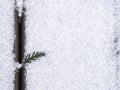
<point x="32" y="57"/>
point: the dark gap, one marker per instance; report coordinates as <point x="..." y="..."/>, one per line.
<point x="19" y="48"/>
<point x="21" y="51"/>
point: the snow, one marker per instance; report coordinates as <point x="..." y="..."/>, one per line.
<point x="77" y="36"/>
<point x="116" y="48"/>
<point x="19" y="6"/>
<point x="6" y="44"/>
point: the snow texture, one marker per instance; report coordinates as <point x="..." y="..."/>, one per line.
<point x="19" y="6"/>
<point x="116" y="40"/>
<point x="79" y="39"/>
<point x="6" y="44"/>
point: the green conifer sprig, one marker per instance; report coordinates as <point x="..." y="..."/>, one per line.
<point x="32" y="57"/>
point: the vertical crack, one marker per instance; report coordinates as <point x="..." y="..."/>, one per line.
<point x="19" y="50"/>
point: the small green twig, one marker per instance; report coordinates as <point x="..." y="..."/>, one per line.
<point x="32" y="57"/>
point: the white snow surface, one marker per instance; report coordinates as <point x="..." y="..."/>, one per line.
<point x="117" y="40"/>
<point x="77" y="36"/>
<point x="6" y="44"/>
<point x="19" y="6"/>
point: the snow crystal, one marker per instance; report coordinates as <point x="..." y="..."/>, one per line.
<point x="78" y="34"/>
<point x="17" y="65"/>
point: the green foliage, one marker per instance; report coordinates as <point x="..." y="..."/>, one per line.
<point x="32" y="57"/>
